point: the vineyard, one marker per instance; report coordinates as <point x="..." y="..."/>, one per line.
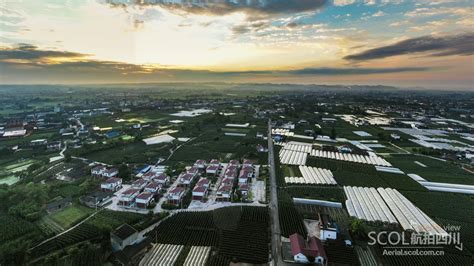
<point x="339" y="254"/>
<point x="13" y="227"/>
<point x="338" y="215"/>
<point x="317" y="192"/>
<point x="291" y="221"/>
<point x="237" y="233"/>
<point x="94" y="229"/>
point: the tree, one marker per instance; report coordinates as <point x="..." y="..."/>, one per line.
<point x="333" y="133"/>
<point x="124" y="172"/>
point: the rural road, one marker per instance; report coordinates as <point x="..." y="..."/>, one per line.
<point x="275" y="222"/>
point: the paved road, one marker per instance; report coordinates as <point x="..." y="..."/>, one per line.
<point x="275" y="226"/>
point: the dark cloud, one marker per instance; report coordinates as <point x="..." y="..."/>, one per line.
<point x="31" y="62"/>
<point x="354" y="71"/>
<point x="461" y="44"/>
<point x="30" y="52"/>
<point x="250" y="27"/>
<point x="221" y="7"/>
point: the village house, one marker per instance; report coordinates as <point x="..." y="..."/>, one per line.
<point x="97" y="171"/>
<point x="184" y="180"/>
<point x="175" y="196"/>
<point x="108" y="173"/>
<point x="244" y="189"/>
<point x="203" y="182"/>
<point x="199" y="193"/>
<point x="144" y="199"/>
<point x="58" y="205"/>
<point x="149" y="176"/>
<point x="139" y="184"/>
<point x="215" y="162"/>
<point x="245" y="174"/>
<point x="127" y="198"/>
<point x="56" y="145"/>
<point x="200" y="164"/>
<point x="162" y="179"/>
<point x="328" y="229"/>
<point x="234" y="163"/>
<point x="311" y="251"/>
<point x="212" y="170"/>
<point x="224" y="193"/>
<point x="228" y="181"/>
<point x="123" y="236"/>
<point x="153" y="188"/>
<point x="230" y="172"/>
<point x="112" y="184"/>
<point x="193" y="170"/>
<point x="247" y="163"/>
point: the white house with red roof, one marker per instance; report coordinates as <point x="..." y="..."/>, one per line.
<point x="193" y="170"/>
<point x="185" y="179"/>
<point x="153" y="187"/>
<point x="244" y="189"/>
<point x="247" y="163"/>
<point x="176" y="195"/>
<point x="230" y="172"/>
<point x="245" y="175"/>
<point x="149" y="176"/>
<point x="139" y="184"/>
<point x="215" y="162"/>
<point x="203" y="182"/>
<point x="112" y="184"/>
<point x="199" y="193"/>
<point x="212" y="170"/>
<point x="201" y="164"/>
<point x="227" y="181"/>
<point x="127" y="198"/>
<point x="162" y="179"/>
<point x="224" y="193"/>
<point x="144" y="199"/>
<point x="311" y="251"/>
<point x="234" y="163"/>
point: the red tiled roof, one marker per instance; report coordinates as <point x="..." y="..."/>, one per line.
<point x="203" y="181"/>
<point x="153" y="185"/>
<point x="199" y="189"/>
<point x="215" y="161"/>
<point x="225" y="188"/>
<point x="244" y="187"/>
<point x="234" y="162"/>
<point x="130" y="191"/>
<point x="200" y="162"/>
<point x="177" y="190"/>
<point x="212" y="167"/>
<point x="161" y="177"/>
<point x="144" y="195"/>
<point x="139" y="182"/>
<point x="313" y="248"/>
<point x="113" y="180"/>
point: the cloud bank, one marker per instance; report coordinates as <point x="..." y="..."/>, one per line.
<point x="222" y="7"/>
<point x="461" y="44"/>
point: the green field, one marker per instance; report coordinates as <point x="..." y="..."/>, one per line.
<point x="436" y="170"/>
<point x="69" y="216"/>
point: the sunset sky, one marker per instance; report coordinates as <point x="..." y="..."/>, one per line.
<point x="425" y="43"/>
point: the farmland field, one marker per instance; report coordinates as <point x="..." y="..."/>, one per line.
<point x="435" y="170"/>
<point x="237" y="233"/>
<point x="71" y="215"/>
